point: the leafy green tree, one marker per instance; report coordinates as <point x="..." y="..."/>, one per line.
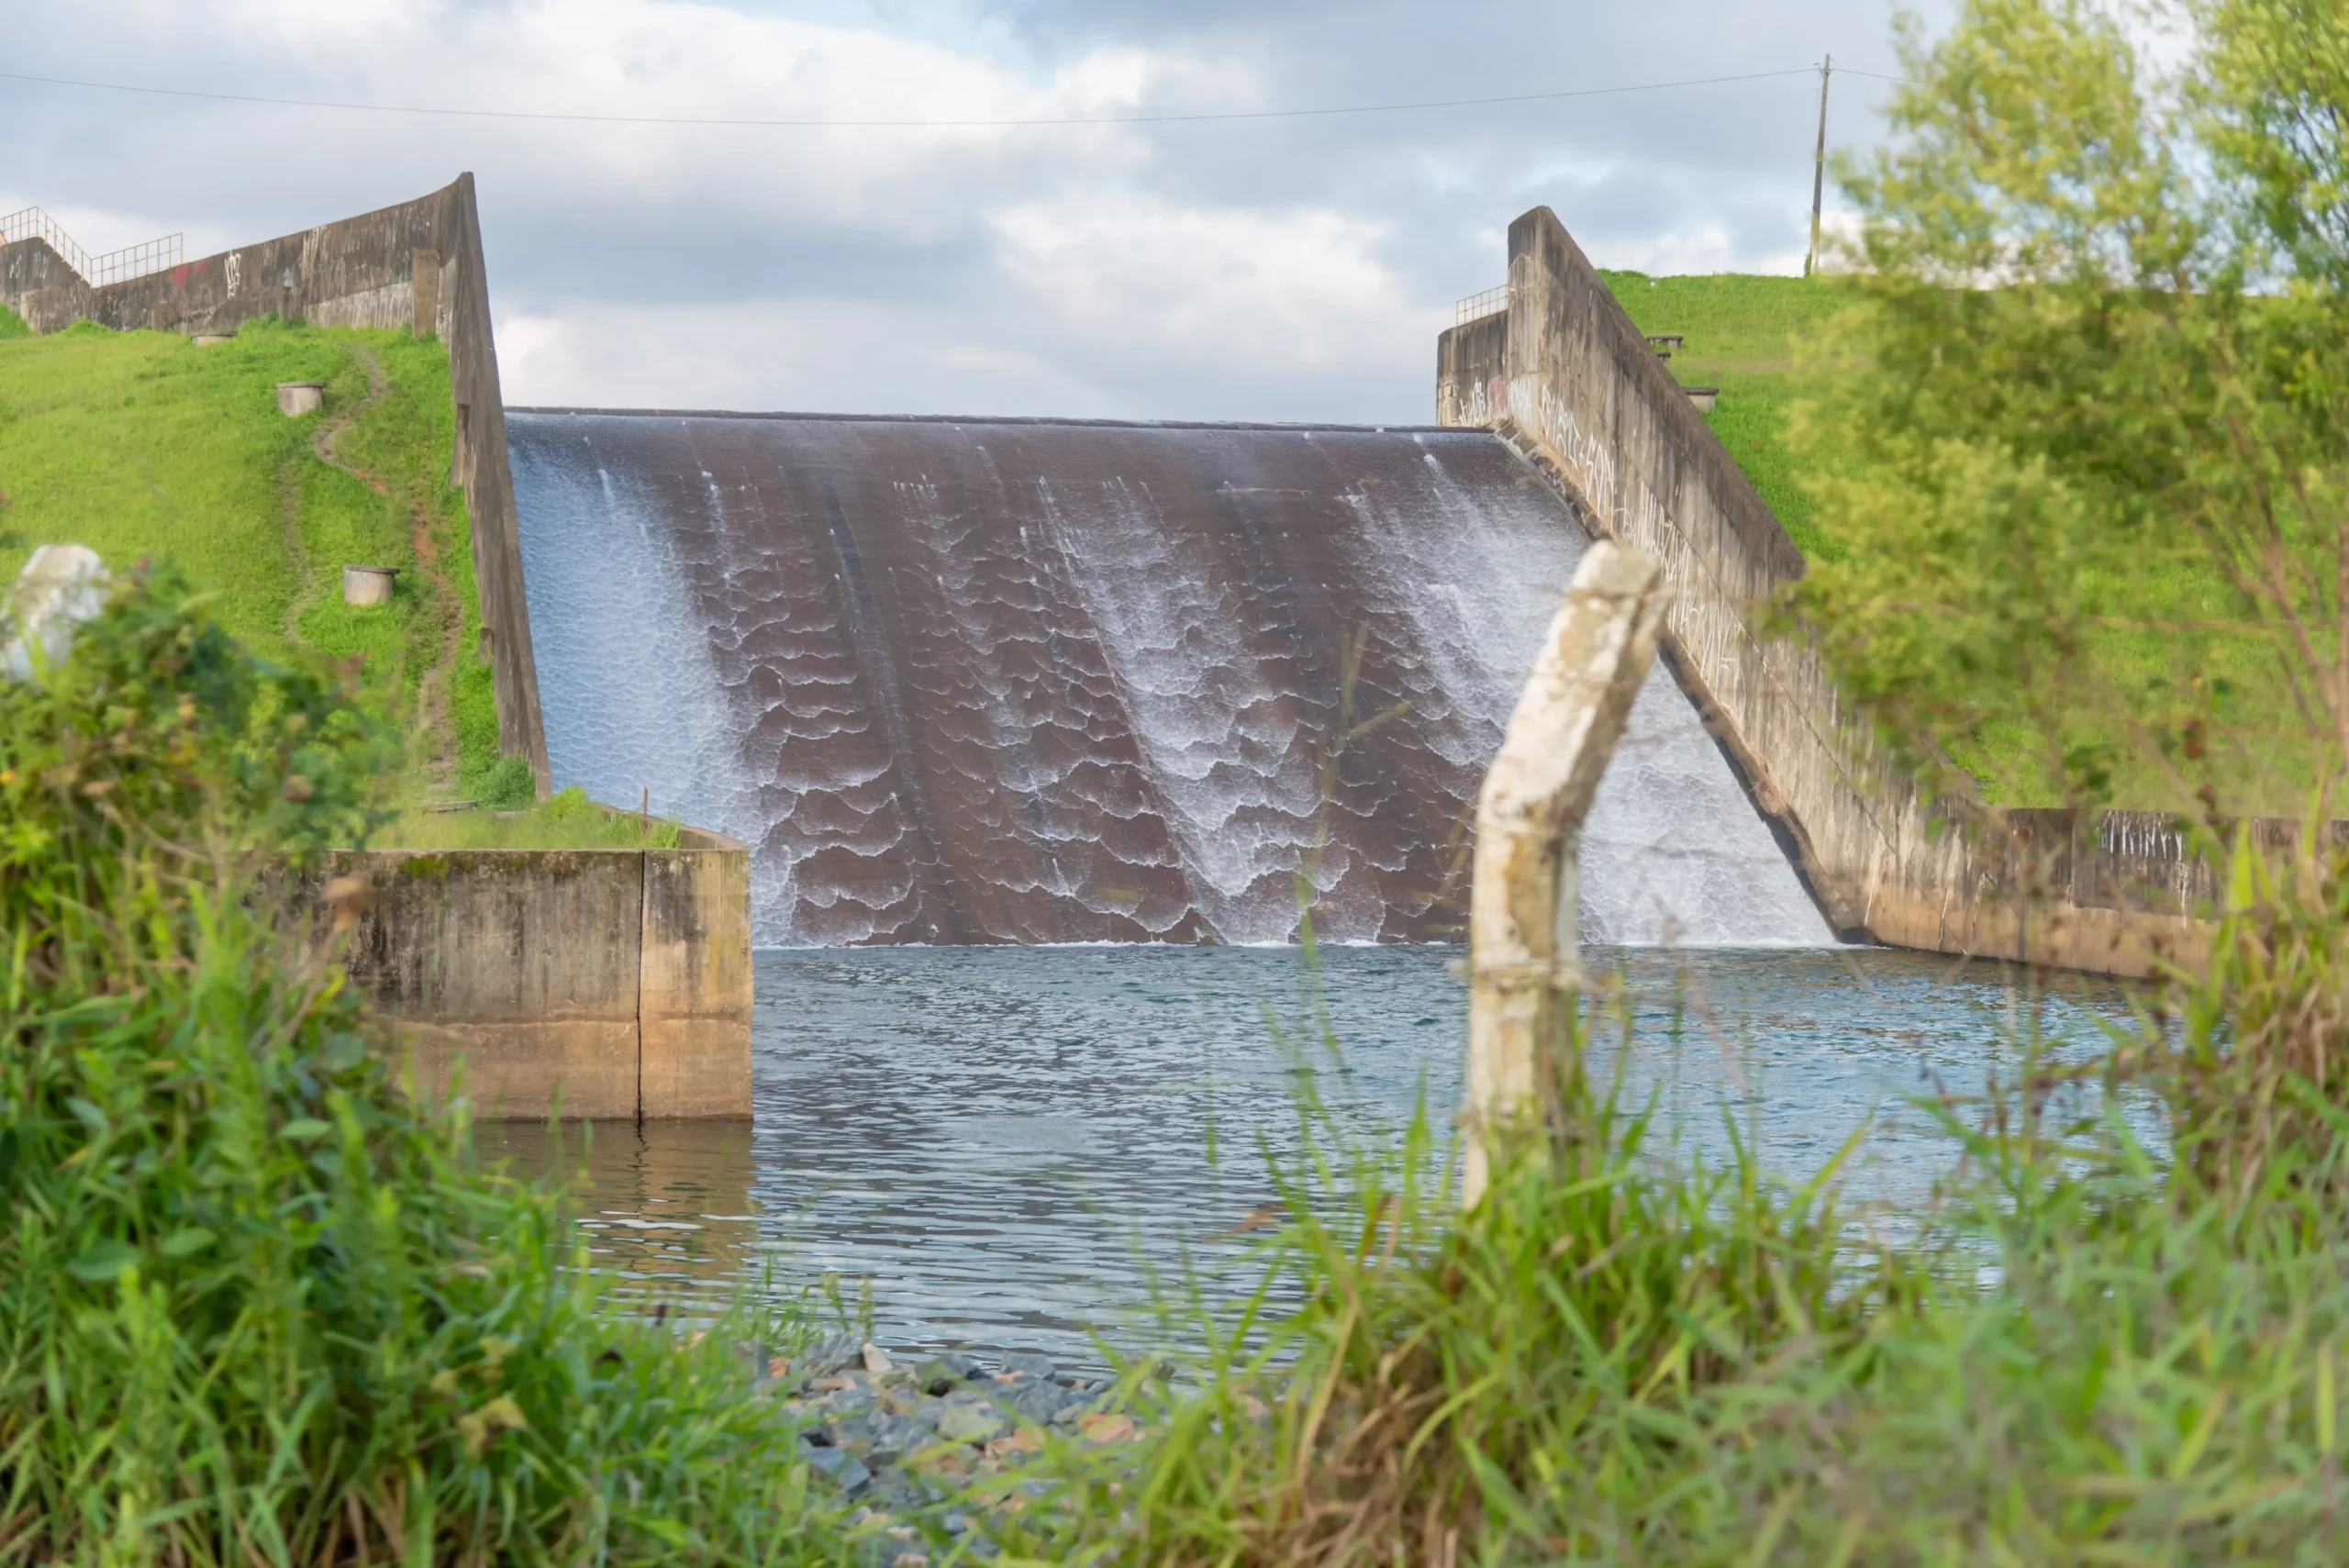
<point x="2089" y="457"/>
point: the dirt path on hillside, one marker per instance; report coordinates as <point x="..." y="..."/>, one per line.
<point x="432" y="693"/>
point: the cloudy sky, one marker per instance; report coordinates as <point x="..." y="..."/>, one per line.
<point x="1291" y="268"/>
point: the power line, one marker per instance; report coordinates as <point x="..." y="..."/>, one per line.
<point x="908" y="124"/>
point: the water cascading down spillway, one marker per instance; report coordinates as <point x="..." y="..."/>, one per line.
<point x="964" y="680"/>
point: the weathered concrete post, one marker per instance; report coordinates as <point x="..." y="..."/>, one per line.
<point x="61" y="587"/>
<point x="1523" y="906"/>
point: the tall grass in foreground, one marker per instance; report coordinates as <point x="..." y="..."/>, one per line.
<point x="2084" y="1350"/>
<point x="256" y="1304"/>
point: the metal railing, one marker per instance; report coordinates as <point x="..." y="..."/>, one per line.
<point x="1476" y="306"/>
<point x="113" y="267"/>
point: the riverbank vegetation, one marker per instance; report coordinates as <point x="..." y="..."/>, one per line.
<point x="257" y="1305"/>
<point x="260" y="1306"/>
<point x="2085" y="455"/>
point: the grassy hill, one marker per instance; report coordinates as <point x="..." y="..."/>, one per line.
<point x="1741" y="333"/>
<point x="141" y="444"/>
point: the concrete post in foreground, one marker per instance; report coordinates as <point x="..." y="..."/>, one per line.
<point x="1523" y="929"/>
<point x="61" y="586"/>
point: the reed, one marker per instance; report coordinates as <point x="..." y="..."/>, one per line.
<point x="258" y="1305"/>
<point x="2084" y="1350"/>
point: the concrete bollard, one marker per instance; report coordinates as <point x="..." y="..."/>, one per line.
<point x="295" y="398"/>
<point x="61" y="587"/>
<point x="368" y="584"/>
<point x="1524" y="903"/>
<point x="1703" y="397"/>
<point x="207" y="339"/>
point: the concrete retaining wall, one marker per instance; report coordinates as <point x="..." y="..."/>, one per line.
<point x="1565" y="378"/>
<point x="618" y="980"/>
<point x="418" y="265"/>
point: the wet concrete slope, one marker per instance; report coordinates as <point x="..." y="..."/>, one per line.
<point x="977" y="682"/>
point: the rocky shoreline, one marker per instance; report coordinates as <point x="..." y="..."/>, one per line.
<point x="899" y="1434"/>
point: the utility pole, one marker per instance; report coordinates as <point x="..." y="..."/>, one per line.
<point x="1819" y="166"/>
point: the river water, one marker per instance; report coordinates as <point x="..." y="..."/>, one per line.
<point x="1004" y="1146"/>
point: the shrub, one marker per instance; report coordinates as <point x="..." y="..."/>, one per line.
<point x="508" y="785"/>
<point x="256" y="1303"/>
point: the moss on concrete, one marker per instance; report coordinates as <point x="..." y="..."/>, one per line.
<point x="567" y="821"/>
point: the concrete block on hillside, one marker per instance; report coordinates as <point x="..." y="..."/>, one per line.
<point x="368" y="584"/>
<point x="295" y="398"/>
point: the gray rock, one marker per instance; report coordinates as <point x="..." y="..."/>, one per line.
<point x="893" y="1436"/>
<point x="1039" y="1367"/>
<point x="1045" y="1401"/>
<point x="836" y="1354"/>
<point x="848" y="1401"/>
<point x="969" y="1423"/>
<point x="842" y="1468"/>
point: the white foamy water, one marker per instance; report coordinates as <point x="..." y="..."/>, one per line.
<point x="1061" y="683"/>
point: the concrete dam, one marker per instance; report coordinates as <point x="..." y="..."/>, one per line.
<point x="1059" y="681"/>
<point x="1034" y="681"/>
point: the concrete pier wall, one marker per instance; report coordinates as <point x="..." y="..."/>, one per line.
<point x="417" y="264"/>
<point x="1564" y="377"/>
<point x="614" y="983"/>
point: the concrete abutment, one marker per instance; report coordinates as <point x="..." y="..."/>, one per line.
<point x="1563" y="377"/>
<point x="609" y="983"/>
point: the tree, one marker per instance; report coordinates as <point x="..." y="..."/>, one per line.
<point x="2089" y="457"/>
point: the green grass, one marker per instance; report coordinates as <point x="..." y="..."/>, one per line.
<point x="567" y="820"/>
<point x="2088" y="1345"/>
<point x="1747" y="335"/>
<point x="260" y="1305"/>
<point x="141" y="445"/>
<point x="1743" y="333"/>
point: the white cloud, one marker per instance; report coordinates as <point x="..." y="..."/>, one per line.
<point x="1249" y="269"/>
<point x="811" y="355"/>
<point x="1708" y="248"/>
<point x="1252" y="289"/>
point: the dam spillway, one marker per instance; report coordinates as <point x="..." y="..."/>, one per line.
<point x="975" y="680"/>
